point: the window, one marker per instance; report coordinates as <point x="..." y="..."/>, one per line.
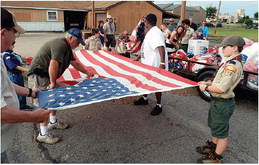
<point x="52" y="15"/>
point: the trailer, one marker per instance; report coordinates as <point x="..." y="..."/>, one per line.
<point x="205" y="74"/>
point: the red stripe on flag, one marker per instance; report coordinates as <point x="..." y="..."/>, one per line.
<point x="112" y="72"/>
<point x="145" y="74"/>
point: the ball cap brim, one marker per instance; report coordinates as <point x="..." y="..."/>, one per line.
<point x="232" y="40"/>
<point x="8" y="21"/>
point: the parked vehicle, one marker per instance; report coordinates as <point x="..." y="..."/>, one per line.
<point x="203" y="67"/>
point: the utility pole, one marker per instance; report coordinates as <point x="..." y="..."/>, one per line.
<point x="217" y="17"/>
<point x="182" y="11"/>
<point x="93" y="15"/>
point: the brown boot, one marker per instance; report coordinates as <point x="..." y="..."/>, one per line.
<point x="212" y="157"/>
<point x="207" y="148"/>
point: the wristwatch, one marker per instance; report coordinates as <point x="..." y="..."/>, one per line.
<point x="162" y="63"/>
<point x="30" y="92"/>
<point x="207" y="88"/>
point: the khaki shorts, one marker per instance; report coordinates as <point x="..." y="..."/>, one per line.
<point x="218" y="118"/>
<point x="35" y="81"/>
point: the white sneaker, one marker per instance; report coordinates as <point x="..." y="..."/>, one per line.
<point x="47" y="138"/>
<point x="57" y="125"/>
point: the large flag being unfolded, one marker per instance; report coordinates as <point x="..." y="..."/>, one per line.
<point x="121" y="77"/>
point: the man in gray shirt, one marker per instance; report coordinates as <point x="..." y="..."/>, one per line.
<point x="10" y="113"/>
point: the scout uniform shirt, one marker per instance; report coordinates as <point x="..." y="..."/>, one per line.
<point x="189" y="33"/>
<point x="109" y="28"/>
<point x="93" y="43"/>
<point x="227" y="77"/>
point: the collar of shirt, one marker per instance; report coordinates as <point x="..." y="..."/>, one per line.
<point x="225" y="59"/>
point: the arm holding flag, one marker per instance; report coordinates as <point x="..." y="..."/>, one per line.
<point x="12" y="115"/>
<point x="22" y="91"/>
<point x="53" y="73"/>
<point x="80" y="68"/>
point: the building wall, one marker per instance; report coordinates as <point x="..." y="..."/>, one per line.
<point x="36" y="20"/>
<point x="34" y="15"/>
<point x="99" y="15"/>
<point x="128" y="14"/>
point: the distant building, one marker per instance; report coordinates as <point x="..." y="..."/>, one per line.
<point x="197" y="13"/>
<point x="63" y="15"/>
<point x="232" y="18"/>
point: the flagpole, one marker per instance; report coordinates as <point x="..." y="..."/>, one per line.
<point x="93" y="15"/>
<point x="182" y="11"/>
<point x="217" y="17"/>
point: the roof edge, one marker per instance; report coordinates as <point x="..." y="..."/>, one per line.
<point x="173" y="15"/>
<point x="42" y="8"/>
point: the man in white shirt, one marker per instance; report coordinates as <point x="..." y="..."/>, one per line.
<point x="153" y="53"/>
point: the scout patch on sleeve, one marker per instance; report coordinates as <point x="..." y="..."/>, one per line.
<point x="230" y="68"/>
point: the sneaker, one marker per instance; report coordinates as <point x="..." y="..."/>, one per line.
<point x="141" y="101"/>
<point x="156" y="111"/>
<point x="57" y="125"/>
<point x="212" y="157"/>
<point x="207" y="148"/>
<point x="47" y="138"/>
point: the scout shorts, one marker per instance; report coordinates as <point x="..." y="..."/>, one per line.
<point x="218" y="118"/>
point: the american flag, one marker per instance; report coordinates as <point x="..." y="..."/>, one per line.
<point x="118" y="77"/>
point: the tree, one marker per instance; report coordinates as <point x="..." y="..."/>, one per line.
<point x="256" y="15"/>
<point x="248" y="22"/>
<point x="243" y="20"/>
<point x="211" y="12"/>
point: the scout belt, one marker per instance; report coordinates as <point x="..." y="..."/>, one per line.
<point x="219" y="99"/>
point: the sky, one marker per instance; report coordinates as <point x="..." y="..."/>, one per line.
<point x="251" y="7"/>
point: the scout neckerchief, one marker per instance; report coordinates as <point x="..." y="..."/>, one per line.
<point x="238" y="58"/>
<point x="111" y="27"/>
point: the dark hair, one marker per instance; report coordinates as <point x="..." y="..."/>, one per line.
<point x="186" y="21"/>
<point x="179" y="36"/>
<point x="151" y="18"/>
<point x="240" y="49"/>
<point x="94" y="31"/>
<point x="99" y="23"/>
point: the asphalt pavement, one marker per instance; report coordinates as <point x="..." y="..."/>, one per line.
<point x="116" y="131"/>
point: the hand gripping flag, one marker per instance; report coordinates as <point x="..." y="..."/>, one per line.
<point x="137" y="36"/>
<point x="123" y="77"/>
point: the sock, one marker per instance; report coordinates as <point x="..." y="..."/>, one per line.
<point x="43" y="130"/>
<point x="52" y="119"/>
<point x="159" y="105"/>
<point x="145" y="98"/>
<point x="217" y="156"/>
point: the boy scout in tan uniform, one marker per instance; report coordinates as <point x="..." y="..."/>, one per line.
<point x="93" y="42"/>
<point x="109" y="33"/>
<point x="222" y="105"/>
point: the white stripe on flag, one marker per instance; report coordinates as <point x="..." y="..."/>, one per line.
<point x="67" y="75"/>
<point x="153" y="73"/>
<point x="101" y="71"/>
<point x="137" y="76"/>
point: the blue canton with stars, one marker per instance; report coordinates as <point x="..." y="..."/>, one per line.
<point x="92" y="90"/>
